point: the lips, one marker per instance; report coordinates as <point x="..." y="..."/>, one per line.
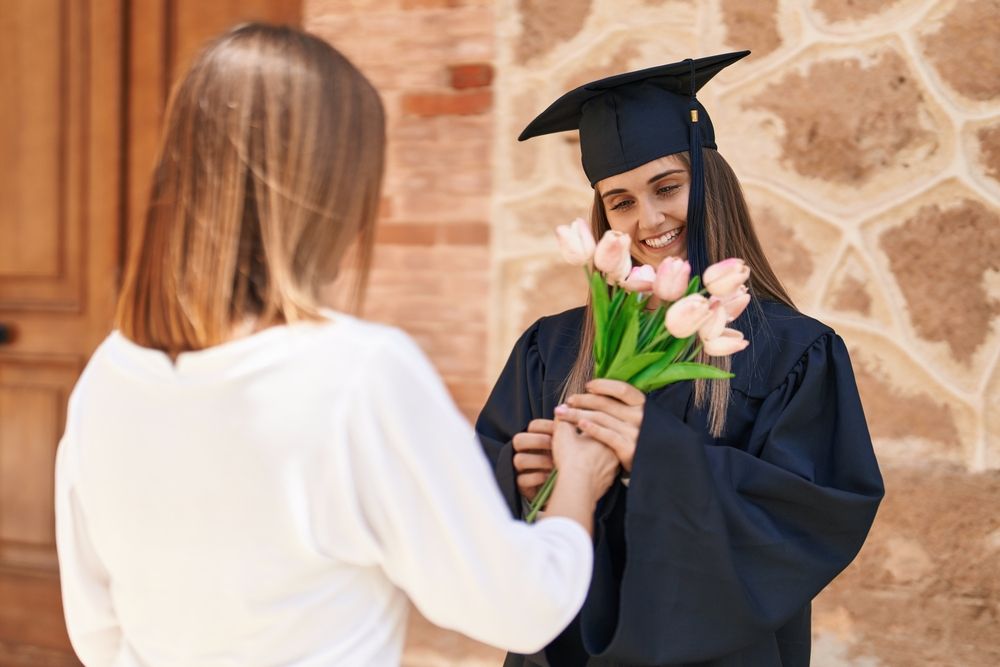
<point x="663" y="240"/>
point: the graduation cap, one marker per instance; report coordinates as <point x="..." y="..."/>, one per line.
<point x="630" y="119"/>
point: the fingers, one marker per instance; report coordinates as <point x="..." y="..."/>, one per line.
<point x="622" y="391"/>
<point x="626" y="429"/>
<point x="524" y="462"/>
<point x="526" y="442"/>
<point x="542" y="426"/>
<point x="622" y="446"/>
<point x="612" y="406"/>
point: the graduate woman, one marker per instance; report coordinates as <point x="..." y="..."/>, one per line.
<point x="249" y="479"/>
<point x="739" y="500"/>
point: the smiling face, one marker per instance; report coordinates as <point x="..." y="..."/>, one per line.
<point x="650" y="203"/>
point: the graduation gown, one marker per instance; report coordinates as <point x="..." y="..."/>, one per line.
<point x="712" y="554"/>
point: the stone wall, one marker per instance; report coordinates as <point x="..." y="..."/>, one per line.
<point x="867" y="136"/>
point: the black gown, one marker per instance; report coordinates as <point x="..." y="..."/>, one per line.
<point x="713" y="553"/>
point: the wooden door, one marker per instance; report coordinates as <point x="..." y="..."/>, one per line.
<point x="82" y="89"/>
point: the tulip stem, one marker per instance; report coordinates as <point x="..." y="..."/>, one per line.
<point x="543" y="497"/>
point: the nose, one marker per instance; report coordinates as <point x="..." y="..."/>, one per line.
<point x="650" y="217"/>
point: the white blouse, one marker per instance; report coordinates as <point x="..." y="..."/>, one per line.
<point x="274" y="501"/>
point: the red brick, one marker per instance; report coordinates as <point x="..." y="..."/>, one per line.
<point x="471" y="76"/>
<point x="464" y="103"/>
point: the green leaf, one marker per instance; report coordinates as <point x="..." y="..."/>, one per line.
<point x="667" y="356"/>
<point x="693" y="286"/>
<point x="634" y="364"/>
<point x="600" y="303"/>
<point x="626" y="346"/>
<point x="680" y="372"/>
<point x="615" y="329"/>
<point x="650" y="322"/>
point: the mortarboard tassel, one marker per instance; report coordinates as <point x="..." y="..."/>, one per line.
<point x="697" y="252"/>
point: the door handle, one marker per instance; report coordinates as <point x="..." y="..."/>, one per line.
<point x="6" y="333"/>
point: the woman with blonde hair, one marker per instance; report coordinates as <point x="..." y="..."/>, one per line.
<point x="740" y="499"/>
<point x="250" y="478"/>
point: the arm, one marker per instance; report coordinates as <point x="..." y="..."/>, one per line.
<point x="725" y="546"/>
<point x="90" y="617"/>
<point x="441" y="526"/>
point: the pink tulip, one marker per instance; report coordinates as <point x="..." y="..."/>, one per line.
<point x="612" y="256"/>
<point x="716" y="322"/>
<point x="723" y="278"/>
<point x="640" y="279"/>
<point x="687" y="315"/>
<point x="576" y="242"/>
<point x="735" y="303"/>
<point x="672" y="279"/>
<point x="728" y="342"/>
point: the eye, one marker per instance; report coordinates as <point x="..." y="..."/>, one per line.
<point x="623" y="205"/>
<point x="667" y="190"/>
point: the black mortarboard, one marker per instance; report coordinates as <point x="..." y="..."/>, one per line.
<point x="629" y="119"/>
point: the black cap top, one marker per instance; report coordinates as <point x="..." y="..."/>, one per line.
<point x="629" y="119"/>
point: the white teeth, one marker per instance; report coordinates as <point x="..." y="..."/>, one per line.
<point x="664" y="240"/>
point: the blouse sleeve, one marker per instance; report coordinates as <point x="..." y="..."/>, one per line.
<point x="723" y="546"/>
<point x="90" y="617"/>
<point x="443" y="532"/>
<point x="513" y="403"/>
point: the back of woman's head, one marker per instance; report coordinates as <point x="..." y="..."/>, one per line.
<point x="269" y="170"/>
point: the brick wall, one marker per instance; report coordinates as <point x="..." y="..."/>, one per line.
<point x="432" y="61"/>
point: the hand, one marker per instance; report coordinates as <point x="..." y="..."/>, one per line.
<point x="582" y="459"/>
<point x="533" y="456"/>
<point x="610" y="412"/>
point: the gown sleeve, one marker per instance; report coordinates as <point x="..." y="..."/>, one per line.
<point x="513" y="403"/>
<point x="723" y="547"/>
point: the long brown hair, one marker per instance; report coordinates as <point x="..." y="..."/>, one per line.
<point x="269" y="170"/>
<point x="729" y="233"/>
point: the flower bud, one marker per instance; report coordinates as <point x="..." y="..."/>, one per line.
<point x="672" y="279"/>
<point x="725" y="277"/>
<point x="687" y="315"/>
<point x="728" y="342"/>
<point x="612" y="256"/>
<point x="736" y="303"/>
<point x="576" y="242"/>
<point x="715" y="323"/>
<point x="640" y="279"/>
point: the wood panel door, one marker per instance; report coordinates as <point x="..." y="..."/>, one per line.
<point x="60" y="142"/>
<point x="83" y="84"/>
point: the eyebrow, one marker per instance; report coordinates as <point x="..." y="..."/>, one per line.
<point x="669" y="172"/>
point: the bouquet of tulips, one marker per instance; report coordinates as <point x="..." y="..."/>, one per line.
<point x="651" y="323"/>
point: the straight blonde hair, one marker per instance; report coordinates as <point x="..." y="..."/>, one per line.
<point x="729" y="233"/>
<point x="268" y="172"/>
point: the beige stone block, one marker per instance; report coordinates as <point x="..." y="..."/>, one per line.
<point x="853" y="16"/>
<point x="940" y="255"/>
<point x="528" y="225"/>
<point x="960" y="39"/>
<point x="848" y="126"/>
<point x="910" y="414"/>
<point x="800" y="247"/>
<point x="522" y="161"/>
<point x="752" y="25"/>
<point x="855" y="292"/>
<point x="982" y="148"/>
<point x="924" y="589"/>
<point x="991" y="414"/>
<point x="531" y="287"/>
<point x="545" y="24"/>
